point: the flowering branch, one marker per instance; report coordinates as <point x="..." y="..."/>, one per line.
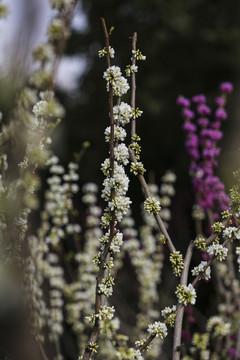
<point x="133" y="92"/>
<point x="148" y="194"/>
<point x="180" y="306"/>
<point x="98" y="301"/>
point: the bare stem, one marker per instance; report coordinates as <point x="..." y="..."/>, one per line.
<point x="157" y="216"/>
<point x="147" y="342"/>
<point x="42" y="351"/>
<point x="197" y="278"/>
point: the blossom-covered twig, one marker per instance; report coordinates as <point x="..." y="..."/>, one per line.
<point x="96" y="328"/>
<point x="147" y="194"/>
<point x="180" y="306"/>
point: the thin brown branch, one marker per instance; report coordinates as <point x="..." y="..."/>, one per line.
<point x="180" y="307"/>
<point x="213" y="236"/>
<point x="101" y="272"/>
<point x="147" y="193"/>
<point x="42" y="351"/>
<point x="147" y="342"/>
<point x="209" y="263"/>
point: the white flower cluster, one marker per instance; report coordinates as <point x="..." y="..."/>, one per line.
<point x="169" y="177"/>
<point x="158" y="329"/>
<point x="114" y="78"/>
<point x="90" y="190"/>
<point x="60" y="193"/>
<point x="120" y="204"/>
<point x="79" y="293"/>
<point x="200" y="269"/>
<point x="131" y="69"/>
<point x="218" y="250"/>
<point x="167" y="311"/>
<point x="198" y="212"/>
<point x="103" y="52"/>
<point x="105" y="313"/>
<point x="116" y="243"/>
<point x="46" y="261"/>
<point x="138" y="55"/>
<point x="41" y="108"/>
<point x="186" y="294"/>
<point x="47" y="108"/>
<point x="119" y="133"/>
<point x="122" y="113"/>
<point x="118" y="183"/>
<point x="218" y="326"/>
<point x="121" y="154"/>
<point x="167" y="189"/>
<point x="231" y="232"/>
<point x="129" y="354"/>
<point x="106" y="288"/>
<point x="151" y="206"/>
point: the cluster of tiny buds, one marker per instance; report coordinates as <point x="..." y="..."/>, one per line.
<point x="176" y="260"/>
<point x="200" y="243"/>
<point x="218" y="326"/>
<point x="169" y="314"/>
<point x="131" y="69"/>
<point x="105" y="313"/>
<point x="186" y="294"/>
<point x="103" y="52"/>
<point x="138" y="55"/>
<point x="158" y="329"/>
<point x="152" y="206"/>
<point x="202" y="270"/>
<point x="218" y="250"/>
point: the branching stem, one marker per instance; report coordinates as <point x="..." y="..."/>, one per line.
<point x="180" y="307"/>
<point x="99" y="297"/>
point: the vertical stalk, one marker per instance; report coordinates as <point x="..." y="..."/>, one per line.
<point x="180" y="307"/>
<point x="134" y="87"/>
<point x="98" y="297"/>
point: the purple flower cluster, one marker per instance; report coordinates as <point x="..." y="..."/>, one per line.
<point x="202" y="137"/>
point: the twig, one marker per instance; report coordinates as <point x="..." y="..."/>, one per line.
<point x="148" y="194"/>
<point x="197" y="278"/>
<point x="180" y="307"/>
<point x="42" y="351"/>
<point x="98" y="297"/>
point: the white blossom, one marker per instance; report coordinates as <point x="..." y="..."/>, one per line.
<point x="158" y="329"/>
<point x="200" y="269"/>
<point x="218" y="250"/>
<point x="121" y="154"/>
<point x="122" y="113"/>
